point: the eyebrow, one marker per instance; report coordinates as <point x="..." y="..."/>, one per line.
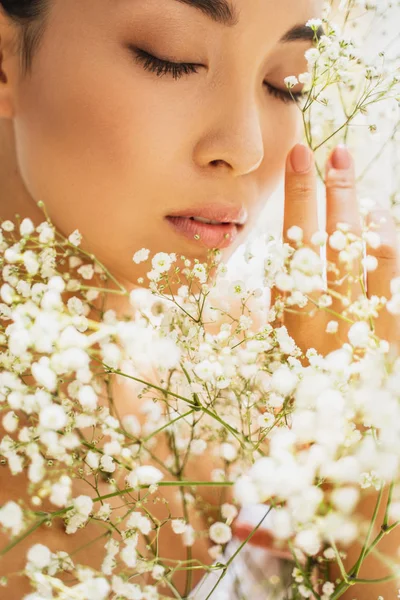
<point x="224" y="13"/>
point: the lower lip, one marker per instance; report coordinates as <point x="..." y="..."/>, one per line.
<point x="211" y="236"/>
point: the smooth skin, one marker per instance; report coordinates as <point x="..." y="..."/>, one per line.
<point x="112" y="149"/>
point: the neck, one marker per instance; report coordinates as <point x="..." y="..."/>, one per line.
<point x="14" y="196"/>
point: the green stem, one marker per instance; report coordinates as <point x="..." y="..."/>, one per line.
<point x="19" y="539"/>
<point x="357" y="567"/>
<point x="232" y="558"/>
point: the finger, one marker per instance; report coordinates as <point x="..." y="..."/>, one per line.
<point x="342" y="207"/>
<point x="301" y="210"/>
<point x="380" y="221"/>
<point x="300" y="193"/>
<point x="262" y="539"/>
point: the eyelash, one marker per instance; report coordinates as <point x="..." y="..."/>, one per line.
<point x="177" y="70"/>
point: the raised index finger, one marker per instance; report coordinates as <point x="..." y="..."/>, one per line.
<point x="300" y="193"/>
<point x="301" y="209"/>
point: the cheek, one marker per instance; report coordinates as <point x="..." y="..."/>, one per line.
<point x="90" y="138"/>
<point x="283" y="131"/>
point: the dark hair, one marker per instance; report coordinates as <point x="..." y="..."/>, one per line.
<point x="29" y="16"/>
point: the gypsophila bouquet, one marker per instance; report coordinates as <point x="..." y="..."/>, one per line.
<point x="136" y="435"/>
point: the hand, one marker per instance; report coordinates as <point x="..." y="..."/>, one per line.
<point x="341" y="207"/>
<point x="262" y="538"/>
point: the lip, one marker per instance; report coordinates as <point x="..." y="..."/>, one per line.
<point x="224" y="213"/>
<point x="211" y="236"/>
<point x="231" y="218"/>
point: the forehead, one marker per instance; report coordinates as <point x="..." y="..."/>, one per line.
<point x="231" y="12"/>
<point x="266" y="20"/>
<point x="227" y="12"/>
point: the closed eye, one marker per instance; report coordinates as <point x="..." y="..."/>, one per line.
<point x="176" y="70"/>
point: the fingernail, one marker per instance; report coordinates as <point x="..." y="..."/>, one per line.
<point x="300" y="157"/>
<point x="341" y="158"/>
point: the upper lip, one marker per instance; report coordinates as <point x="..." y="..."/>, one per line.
<point x="224" y="213"/>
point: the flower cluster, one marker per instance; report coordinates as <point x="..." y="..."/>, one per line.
<point x="142" y="431"/>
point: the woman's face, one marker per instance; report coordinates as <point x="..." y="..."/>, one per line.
<point x="114" y="149"/>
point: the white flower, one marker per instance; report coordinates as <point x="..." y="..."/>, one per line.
<point x="11" y="517"/>
<point x="39" y="556"/>
<point x="26" y="227"/>
<point x="83" y="505"/>
<point x="61" y="491"/>
<point x="94" y="588"/>
<point x="393" y="305"/>
<point x="370" y="263"/>
<point x="295" y="233"/>
<point x="87" y="271"/>
<point x="10" y="421"/>
<point x="129" y="553"/>
<point x="329" y="553"/>
<point x="337" y="240"/>
<point x="291" y="81"/>
<point x="178" y="526"/>
<point x="283" y="380"/>
<point x="266" y="419"/>
<point x="188" y="537"/>
<point x="359" y="334"/>
<point x="199" y="270"/>
<point x="13" y="254"/>
<point x="107" y="464"/>
<point x="75" y="306"/>
<point x="53" y="417"/>
<point x="112" y="448"/>
<point x="220" y="533"/>
<point x="138" y="521"/>
<point x="309" y="541"/>
<point x="332" y="327"/>
<point x="131" y="424"/>
<point x="307" y="261"/>
<point x="281" y="524"/>
<point x="228" y="452"/>
<point x="144" y="475"/>
<point x="304" y="591"/>
<point x="206" y="370"/>
<point x="7" y="293"/>
<point x="238" y="288"/>
<point x="229" y="512"/>
<point x="284" y="282"/>
<point x="198" y="447"/>
<point x="44" y="375"/>
<point x="87" y="397"/>
<point x="286" y="342"/>
<point x="345" y="499"/>
<point x="312" y="55"/>
<point x="75" y="238"/>
<point x="314" y="23"/>
<point x="8" y="226"/>
<point x="104" y="512"/>
<point x="46" y="232"/>
<point x="319" y="238"/>
<point x="158" y="572"/>
<point x="395" y="285"/>
<point x="328" y="588"/>
<point x="141" y="256"/>
<point x="161" y="262"/>
<point x="305" y="78"/>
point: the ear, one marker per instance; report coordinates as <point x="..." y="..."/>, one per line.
<point x="9" y="67"/>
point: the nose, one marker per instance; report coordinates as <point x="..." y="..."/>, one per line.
<point x="233" y="139"/>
